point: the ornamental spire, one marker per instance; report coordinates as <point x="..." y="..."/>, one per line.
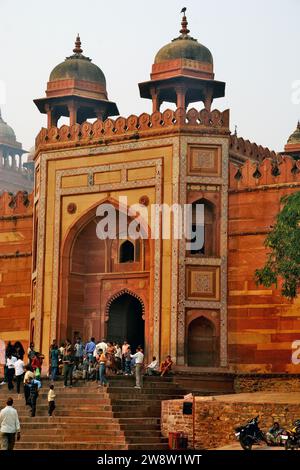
<point x="184" y="30"/>
<point x="77" y="49"/>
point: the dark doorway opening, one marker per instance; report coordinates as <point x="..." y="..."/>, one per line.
<point x="127" y="252"/>
<point x="126" y="322"/>
<point x="202" y="343"/>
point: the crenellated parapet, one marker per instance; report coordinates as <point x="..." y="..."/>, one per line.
<point x="135" y="127"/>
<point x="16" y="205"/>
<point x="241" y="150"/>
<point x="282" y="170"/>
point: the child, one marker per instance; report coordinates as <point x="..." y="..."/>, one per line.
<point x="51" y="400"/>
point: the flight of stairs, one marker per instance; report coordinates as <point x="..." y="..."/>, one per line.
<point x="88" y="417"/>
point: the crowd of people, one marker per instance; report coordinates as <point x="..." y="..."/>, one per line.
<point x="98" y="360"/>
<point x="93" y="360"/>
<point x="74" y="361"/>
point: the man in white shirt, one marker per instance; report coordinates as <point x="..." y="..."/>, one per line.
<point x="9" y="426"/>
<point x="152" y="368"/>
<point x="19" y="372"/>
<point x="102" y="345"/>
<point x="10" y="364"/>
<point x="139" y="361"/>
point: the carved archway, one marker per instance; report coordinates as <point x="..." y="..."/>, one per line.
<point x="125" y="319"/>
<point x="119" y="294"/>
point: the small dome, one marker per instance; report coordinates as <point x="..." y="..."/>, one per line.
<point x="295" y="136"/>
<point x="7" y="134"/>
<point x="184" y="47"/>
<point x="78" y="67"/>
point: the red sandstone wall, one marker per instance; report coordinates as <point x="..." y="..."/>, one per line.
<point x="261" y="324"/>
<point x="215" y="420"/>
<point x="15" y="266"/>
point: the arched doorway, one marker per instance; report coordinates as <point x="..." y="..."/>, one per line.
<point x="125" y="321"/>
<point x="202" y="343"/>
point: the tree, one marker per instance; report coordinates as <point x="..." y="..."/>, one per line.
<point x="283" y="261"/>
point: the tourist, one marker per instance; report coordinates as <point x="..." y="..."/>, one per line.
<point x="79" y="350"/>
<point x="51" y="400"/>
<point x="9" y="426"/>
<point x="36" y="364"/>
<point x="273" y="435"/>
<point x="92" y="371"/>
<point x="89" y="349"/>
<point x="3" y="360"/>
<point x="34" y="386"/>
<point x="30" y="352"/>
<point x="54" y="357"/>
<point x="118" y="358"/>
<point x="166" y="366"/>
<point x="152" y="368"/>
<point x="10" y="364"/>
<point x="68" y="362"/>
<point x="19" y="373"/>
<point x="110" y="355"/>
<point x="102" y="369"/>
<point x="61" y="349"/>
<point x="127" y="358"/>
<point x="19" y="350"/>
<point x="27" y="377"/>
<point x="85" y="367"/>
<point x="68" y="346"/>
<point x="125" y="348"/>
<point x="9" y="349"/>
<point x="102" y="345"/>
<point x="139" y="360"/>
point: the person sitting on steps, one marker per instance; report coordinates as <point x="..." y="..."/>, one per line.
<point x="166" y="366"/>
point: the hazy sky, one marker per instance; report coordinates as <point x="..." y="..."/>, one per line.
<point x="255" y="45"/>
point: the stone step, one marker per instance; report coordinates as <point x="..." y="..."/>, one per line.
<point x="139" y="420"/>
<point x="74" y="437"/>
<point x="148" y="386"/>
<point x="67" y="413"/>
<point x="146" y="378"/>
<point x="149" y="439"/>
<point x="146" y="446"/>
<point x="45" y="426"/>
<point x="79" y="445"/>
<point x="74" y="420"/>
<point x="137" y="414"/>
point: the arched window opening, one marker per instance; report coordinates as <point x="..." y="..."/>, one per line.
<point x="205" y="230"/>
<point x="127" y="252"/>
<point x="202" y="343"/>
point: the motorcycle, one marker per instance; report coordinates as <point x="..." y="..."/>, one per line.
<point x="250" y="434"/>
<point x="291" y="437"/>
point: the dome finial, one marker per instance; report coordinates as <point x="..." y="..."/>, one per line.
<point x="184" y="30"/>
<point x="77" y="49"/>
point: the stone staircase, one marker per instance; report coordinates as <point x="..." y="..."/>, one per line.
<point x="90" y="417"/>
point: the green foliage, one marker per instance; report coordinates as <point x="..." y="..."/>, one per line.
<point x="283" y="261"/>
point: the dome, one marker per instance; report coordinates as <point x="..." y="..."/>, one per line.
<point x="184" y="47"/>
<point x="7" y="134"/>
<point x="295" y="136"/>
<point x="78" y="67"/>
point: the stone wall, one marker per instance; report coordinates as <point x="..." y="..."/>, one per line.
<point x="262" y="325"/>
<point x="215" y="420"/>
<point x="15" y="266"/>
<point x="244" y="384"/>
